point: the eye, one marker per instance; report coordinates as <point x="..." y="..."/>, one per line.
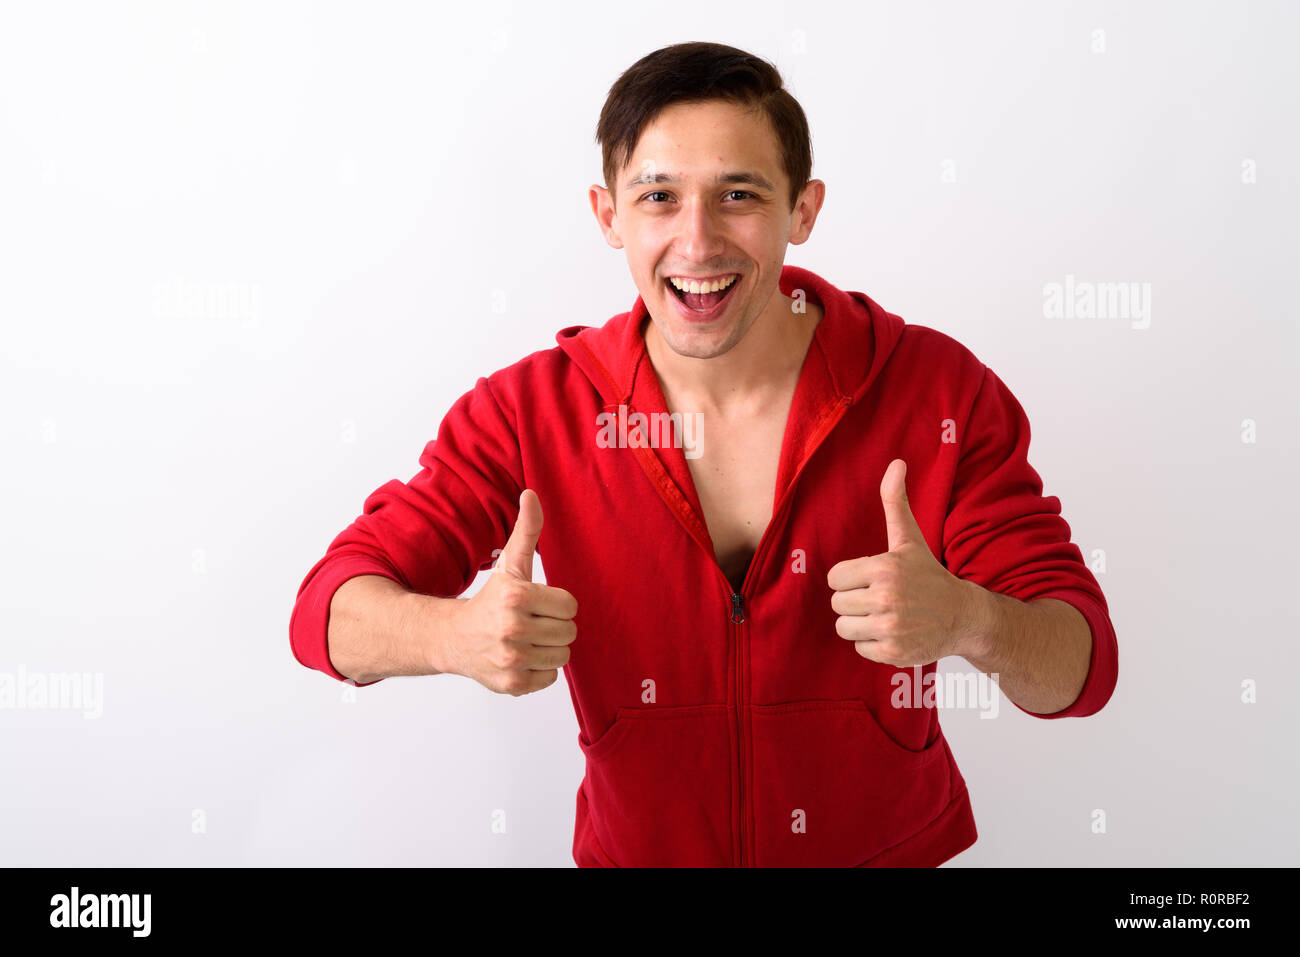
<point x="742" y="192"/>
<point x="658" y="192"/>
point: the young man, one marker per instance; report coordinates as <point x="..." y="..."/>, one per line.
<point x="761" y="501"/>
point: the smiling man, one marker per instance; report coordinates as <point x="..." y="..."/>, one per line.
<point x="706" y="220"/>
<point x="734" y="620"/>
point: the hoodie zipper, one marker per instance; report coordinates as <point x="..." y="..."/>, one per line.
<point x="672" y="496"/>
<point x="737" y="634"/>
<point x="737" y="618"/>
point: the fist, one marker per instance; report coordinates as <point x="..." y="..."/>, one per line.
<point x="513" y="636"/>
<point x="901" y="607"/>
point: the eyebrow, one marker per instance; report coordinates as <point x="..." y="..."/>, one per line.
<point x="747" y="177"/>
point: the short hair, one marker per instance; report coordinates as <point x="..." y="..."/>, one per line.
<point x="695" y="72"/>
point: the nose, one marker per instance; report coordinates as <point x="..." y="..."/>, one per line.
<point x="700" y="236"/>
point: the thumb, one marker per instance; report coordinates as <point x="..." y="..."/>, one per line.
<point x="517" y="556"/>
<point x="900" y="524"/>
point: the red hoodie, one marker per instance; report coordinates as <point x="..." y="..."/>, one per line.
<point x="726" y="728"/>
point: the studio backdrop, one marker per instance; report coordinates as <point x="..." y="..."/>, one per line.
<point x="251" y="254"/>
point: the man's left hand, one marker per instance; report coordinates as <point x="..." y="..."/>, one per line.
<point x="902" y="607"/>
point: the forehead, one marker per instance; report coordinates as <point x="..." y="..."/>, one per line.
<point x="706" y="136"/>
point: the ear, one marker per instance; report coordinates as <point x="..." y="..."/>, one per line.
<point x="602" y="205"/>
<point x="805" y="211"/>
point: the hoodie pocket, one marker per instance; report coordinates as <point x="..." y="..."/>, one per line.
<point x="832" y="788"/>
<point x="659" y="787"/>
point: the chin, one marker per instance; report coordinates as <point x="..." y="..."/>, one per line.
<point x="700" y="341"/>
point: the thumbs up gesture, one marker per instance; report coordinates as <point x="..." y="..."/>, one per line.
<point x="902" y="607"/>
<point x="513" y="636"/>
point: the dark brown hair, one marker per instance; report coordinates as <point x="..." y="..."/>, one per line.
<point x="693" y="72"/>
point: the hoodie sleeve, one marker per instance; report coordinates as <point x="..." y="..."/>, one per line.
<point x="431" y="535"/>
<point x="1002" y="533"/>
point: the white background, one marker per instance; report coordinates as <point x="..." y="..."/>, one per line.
<point x="364" y="176"/>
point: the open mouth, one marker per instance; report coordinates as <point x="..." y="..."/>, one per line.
<point x="707" y="295"/>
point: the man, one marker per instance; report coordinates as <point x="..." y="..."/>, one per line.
<point x="765" y="500"/>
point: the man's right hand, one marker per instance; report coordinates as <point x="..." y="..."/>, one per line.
<point x="513" y="636"/>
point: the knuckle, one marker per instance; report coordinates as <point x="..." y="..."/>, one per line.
<point x="505" y="658"/>
<point x="516" y="684"/>
<point x="511" y="624"/>
<point x="515" y="596"/>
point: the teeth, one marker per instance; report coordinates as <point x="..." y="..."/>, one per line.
<point x="694" y="285"/>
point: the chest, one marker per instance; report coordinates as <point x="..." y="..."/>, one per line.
<point x="735" y="478"/>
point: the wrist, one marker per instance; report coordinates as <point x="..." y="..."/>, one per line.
<point x="435" y="621"/>
<point x="975" y="630"/>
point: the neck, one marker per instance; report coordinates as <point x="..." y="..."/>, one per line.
<point x="763" y="364"/>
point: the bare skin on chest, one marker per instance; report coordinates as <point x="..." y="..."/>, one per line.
<point x="742" y="434"/>
<point x="735" y="479"/>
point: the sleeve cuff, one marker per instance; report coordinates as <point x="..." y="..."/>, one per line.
<point x="309" y="623"/>
<point x="1103" y="664"/>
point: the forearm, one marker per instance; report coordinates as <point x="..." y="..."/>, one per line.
<point x="1040" y="650"/>
<point x="378" y="629"/>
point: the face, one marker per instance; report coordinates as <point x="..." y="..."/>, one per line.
<point x="704" y="197"/>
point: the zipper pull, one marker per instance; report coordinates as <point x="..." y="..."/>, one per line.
<point x="737" y="610"/>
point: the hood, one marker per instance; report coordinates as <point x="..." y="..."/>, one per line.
<point x="856" y="337"/>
